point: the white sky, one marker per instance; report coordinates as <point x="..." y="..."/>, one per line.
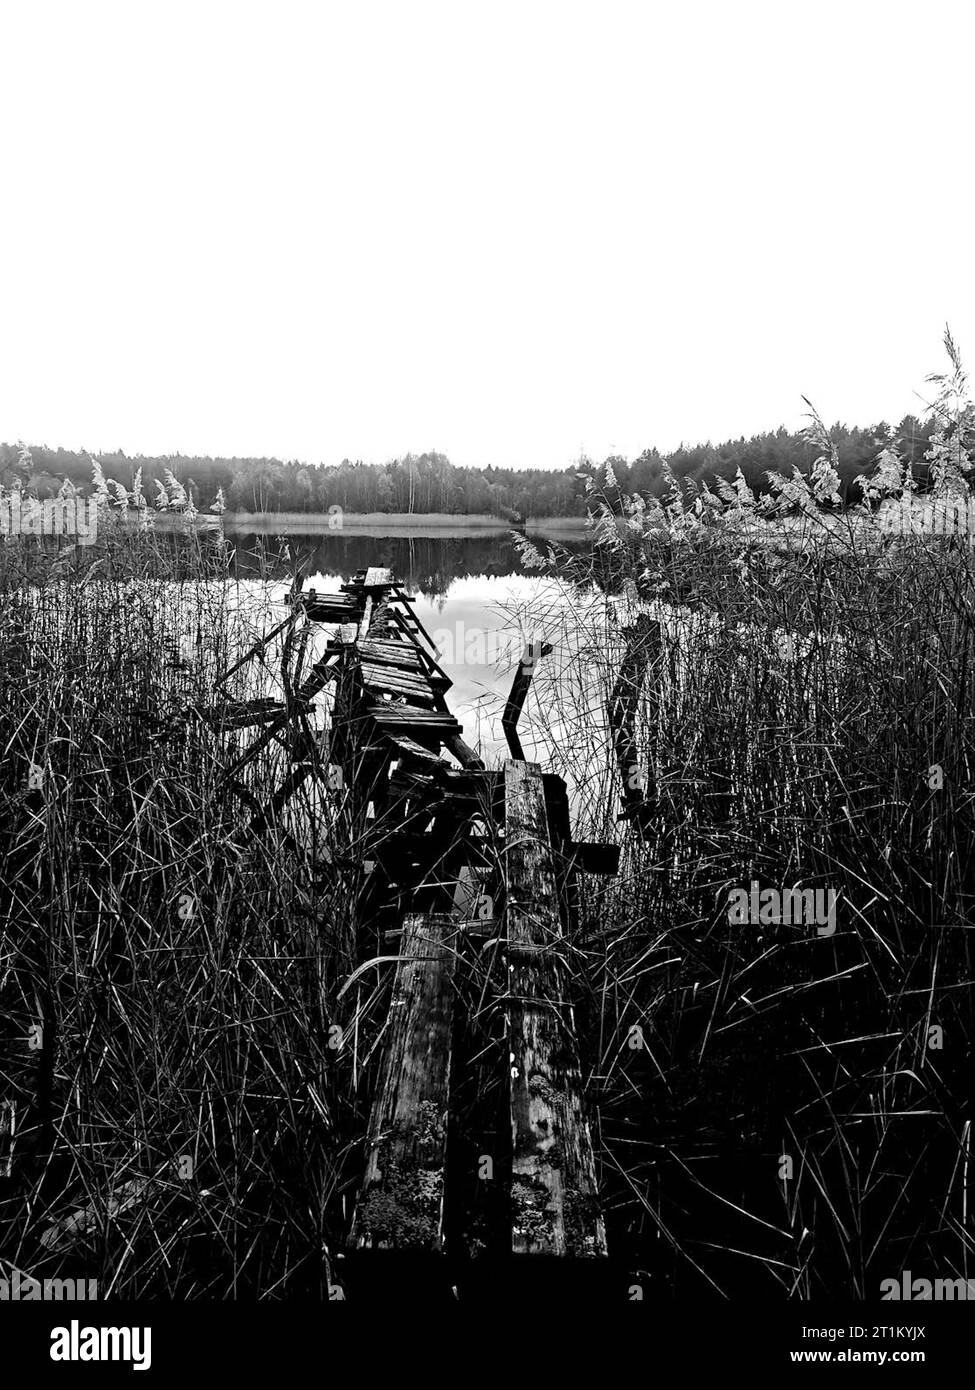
<point x="505" y="231"/>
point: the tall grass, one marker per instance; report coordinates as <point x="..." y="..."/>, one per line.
<point x="792" y="1118"/>
<point x="169" y="1101"/>
<point x="775" y="1111"/>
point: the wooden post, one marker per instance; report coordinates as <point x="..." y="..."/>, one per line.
<point x="643" y="640"/>
<point x="401" y="1205"/>
<point x="519" y="690"/>
<point x="553" y="1183"/>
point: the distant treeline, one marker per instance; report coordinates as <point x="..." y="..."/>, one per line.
<point x="431" y="483"/>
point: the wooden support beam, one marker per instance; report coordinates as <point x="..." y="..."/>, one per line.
<point x="401" y="1202"/>
<point x="321" y="673"/>
<point x="258" y="647"/>
<point x="554" y="1196"/>
<point x="463" y="752"/>
<point x="519" y="690"/>
<point x="406" y="745"/>
<point x="242" y="716"/>
<point x="643" y="643"/>
<point x="560" y="836"/>
<point x="408" y="634"/>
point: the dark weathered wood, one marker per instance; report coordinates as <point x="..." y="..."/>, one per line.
<point x="408" y="632"/>
<point x="396" y="655"/>
<point x="407" y="746"/>
<point x="319" y="676"/>
<point x="410" y="617"/>
<point x="642" y="643"/>
<point x="365" y="619"/>
<point x="399" y="715"/>
<point x="377" y="578"/>
<point x="241" y="716"/>
<point x="462" y="751"/>
<point x="554" y="1195"/>
<point x="392" y="686"/>
<point x="332" y="608"/>
<point x="593" y="858"/>
<point x="519" y="690"/>
<point x="392" y="679"/>
<point x="401" y="1203"/>
<point x="427" y="829"/>
<point x="415" y="699"/>
<point x="258" y="646"/>
<point x="405" y="675"/>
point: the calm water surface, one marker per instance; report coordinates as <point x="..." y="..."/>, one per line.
<point x="471" y="592"/>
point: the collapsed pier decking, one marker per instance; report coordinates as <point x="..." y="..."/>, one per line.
<point x="451" y="852"/>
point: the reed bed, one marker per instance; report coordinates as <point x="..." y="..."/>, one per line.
<point x="169" y="1105"/>
<point x="781" y="1113"/>
<point x="188" y="1029"/>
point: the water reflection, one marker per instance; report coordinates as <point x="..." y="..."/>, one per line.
<point x="471" y="591"/>
<point x="428" y="564"/>
<point x="480" y="627"/>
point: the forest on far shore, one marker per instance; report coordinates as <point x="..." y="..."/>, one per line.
<point x="429" y="482"/>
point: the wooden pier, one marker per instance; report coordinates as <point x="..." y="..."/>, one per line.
<point x="455" y="860"/>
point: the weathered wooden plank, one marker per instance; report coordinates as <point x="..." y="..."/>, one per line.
<point x="377" y="578"/>
<point x="311" y="598"/>
<point x="408" y="746"/>
<point x="402" y="667"/>
<point x="403" y="660"/>
<point x="408" y="633"/>
<point x="400" y="1206"/>
<point x="554" y="1195"/>
<point x="406" y="655"/>
<point x="332" y="611"/>
<point x="410" y="680"/>
<point x="394" y="679"/>
<point x="382" y="680"/>
<point x="643" y="643"/>
<point x="399" y="714"/>
<point x="406" y="701"/>
<point x="417" y="700"/>
<point x="393" y="644"/>
<point x="411" y="700"/>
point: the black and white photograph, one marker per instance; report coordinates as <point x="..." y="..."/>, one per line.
<point x="487" y="683"/>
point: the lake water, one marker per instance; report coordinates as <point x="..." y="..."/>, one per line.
<point x="472" y="593"/>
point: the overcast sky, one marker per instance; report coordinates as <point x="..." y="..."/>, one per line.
<point x="509" y="232"/>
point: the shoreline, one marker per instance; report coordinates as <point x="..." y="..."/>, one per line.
<point x="413" y="523"/>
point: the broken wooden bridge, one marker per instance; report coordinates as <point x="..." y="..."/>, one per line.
<point x="463" y="873"/>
